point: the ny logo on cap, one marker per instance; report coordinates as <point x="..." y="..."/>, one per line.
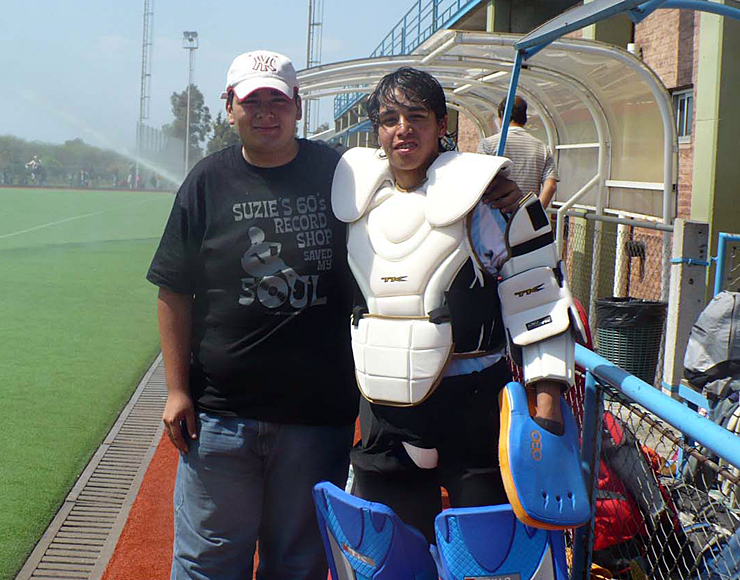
<point x="264" y="63"/>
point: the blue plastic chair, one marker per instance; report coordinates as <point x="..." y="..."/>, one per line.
<point x="368" y="541"/>
<point x="489" y="542"/>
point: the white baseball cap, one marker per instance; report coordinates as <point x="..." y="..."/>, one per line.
<point x="260" y="69"/>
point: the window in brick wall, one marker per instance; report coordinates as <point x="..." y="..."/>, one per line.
<point x="683" y="104"/>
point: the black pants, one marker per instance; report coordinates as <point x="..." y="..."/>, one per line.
<point x="461" y="420"/>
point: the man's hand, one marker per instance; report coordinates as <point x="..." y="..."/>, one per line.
<point x="178" y="409"/>
<point x="174" y="312"/>
<point x="502" y="193"/>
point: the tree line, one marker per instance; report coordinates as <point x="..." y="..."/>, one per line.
<point x="78" y="164"/>
<point x="217" y="132"/>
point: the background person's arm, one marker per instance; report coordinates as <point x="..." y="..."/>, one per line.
<point x="548" y="192"/>
<point x="174" y="313"/>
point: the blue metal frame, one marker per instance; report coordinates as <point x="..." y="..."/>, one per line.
<point x="693" y="399"/>
<point x="366" y="125"/>
<point x="719" y="274"/>
<point x="586" y="14"/>
<point x="506" y="121"/>
<point x="638" y="14"/>
<point x="421" y="21"/>
<point x="720" y="441"/>
<point x="590" y="450"/>
<point x="694" y="427"/>
<point x="425" y="19"/>
<point x="570" y="20"/>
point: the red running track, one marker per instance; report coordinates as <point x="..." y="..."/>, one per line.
<point x="144" y="549"/>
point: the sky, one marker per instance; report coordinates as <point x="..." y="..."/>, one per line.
<point x="73" y="69"/>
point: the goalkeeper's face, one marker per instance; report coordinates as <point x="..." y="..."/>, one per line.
<point x="409" y="133"/>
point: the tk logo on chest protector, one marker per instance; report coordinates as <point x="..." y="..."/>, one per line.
<point x="393" y="278"/>
<point x="529" y="291"/>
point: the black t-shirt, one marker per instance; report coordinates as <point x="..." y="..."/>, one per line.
<point x="265" y="259"/>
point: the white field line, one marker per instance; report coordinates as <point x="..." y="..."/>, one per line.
<point x="73" y="218"/>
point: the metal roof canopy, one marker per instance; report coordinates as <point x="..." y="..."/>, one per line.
<point x="597" y="10"/>
<point x="604" y="113"/>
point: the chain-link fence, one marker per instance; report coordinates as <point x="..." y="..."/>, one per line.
<point x="665" y="509"/>
<point x="606" y="261"/>
<point x="614" y="260"/>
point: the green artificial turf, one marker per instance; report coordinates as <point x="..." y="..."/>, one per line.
<point x="78" y="330"/>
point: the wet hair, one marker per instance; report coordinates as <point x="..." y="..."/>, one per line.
<point x="418" y="87"/>
<point x="518" y="111"/>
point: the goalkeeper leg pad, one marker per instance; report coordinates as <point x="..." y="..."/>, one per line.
<point x="364" y="539"/>
<point x="489" y="542"/>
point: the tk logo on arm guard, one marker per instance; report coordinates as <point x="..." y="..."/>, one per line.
<point x="529" y="291"/>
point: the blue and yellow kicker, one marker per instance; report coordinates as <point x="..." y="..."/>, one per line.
<point x="541" y="471"/>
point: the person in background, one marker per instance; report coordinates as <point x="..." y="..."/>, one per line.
<point x="254" y="298"/>
<point x="533" y="167"/>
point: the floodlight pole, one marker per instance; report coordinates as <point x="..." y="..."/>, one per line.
<point x="146" y="78"/>
<point x="190" y="43"/>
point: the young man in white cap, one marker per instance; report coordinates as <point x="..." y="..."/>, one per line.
<point x="254" y="298"/>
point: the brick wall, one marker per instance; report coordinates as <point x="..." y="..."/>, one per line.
<point x="669" y="43"/>
<point x="686" y="150"/>
<point x="657" y="37"/>
<point x="688" y="43"/>
<point x="667" y="40"/>
<point x="467" y="135"/>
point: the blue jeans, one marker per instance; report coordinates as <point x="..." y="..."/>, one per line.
<point x="244" y="480"/>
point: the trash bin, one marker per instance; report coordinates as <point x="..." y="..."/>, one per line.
<point x="629" y="332"/>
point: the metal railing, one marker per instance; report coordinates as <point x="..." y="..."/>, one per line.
<point x="422" y="20"/>
<point x="688" y="530"/>
<point x="615" y="260"/>
<point x="727" y="275"/>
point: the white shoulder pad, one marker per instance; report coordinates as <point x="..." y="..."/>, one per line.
<point x="456" y="183"/>
<point x="359" y="174"/>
